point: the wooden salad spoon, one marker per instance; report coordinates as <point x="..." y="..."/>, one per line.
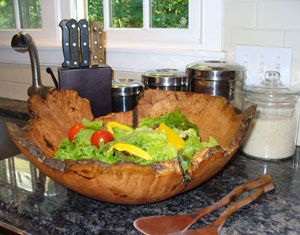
<point x="180" y="223"/>
<point x="215" y="227"/>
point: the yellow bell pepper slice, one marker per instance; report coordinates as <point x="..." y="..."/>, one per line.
<point x="131" y="149"/>
<point x="172" y="136"/>
<point x="112" y="125"/>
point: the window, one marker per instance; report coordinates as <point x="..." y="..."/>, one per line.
<point x="37" y="17"/>
<point x="129" y="13"/>
<point x="146" y="23"/>
<point x="22" y="14"/>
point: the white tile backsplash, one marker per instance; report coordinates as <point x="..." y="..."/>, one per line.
<point x="292" y="40"/>
<point x="19" y="91"/>
<point x="278" y="14"/>
<point x="46" y="77"/>
<point x="10" y="73"/>
<point x="240" y="14"/>
<point x="5" y="89"/>
<point x="26" y="75"/>
<point x="254" y="37"/>
<point x="295" y="79"/>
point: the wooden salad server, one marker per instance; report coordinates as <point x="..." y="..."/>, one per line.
<point x="180" y="223"/>
<point x="215" y="227"/>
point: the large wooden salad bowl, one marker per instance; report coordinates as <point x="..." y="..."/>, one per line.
<point x="130" y="183"/>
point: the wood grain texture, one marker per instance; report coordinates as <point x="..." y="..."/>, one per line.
<point x="130" y="183"/>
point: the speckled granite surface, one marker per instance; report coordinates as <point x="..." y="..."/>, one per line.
<point x="34" y="203"/>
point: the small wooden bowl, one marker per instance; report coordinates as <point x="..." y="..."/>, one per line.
<point x="130" y="183"/>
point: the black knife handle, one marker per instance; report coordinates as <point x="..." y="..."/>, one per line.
<point x="84" y="42"/>
<point x="65" y="43"/>
<point x="73" y="41"/>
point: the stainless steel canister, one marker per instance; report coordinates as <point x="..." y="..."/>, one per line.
<point x="217" y="78"/>
<point x="165" y="79"/>
<point x="125" y="94"/>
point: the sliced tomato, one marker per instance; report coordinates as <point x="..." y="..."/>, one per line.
<point x="101" y="135"/>
<point x="74" y="130"/>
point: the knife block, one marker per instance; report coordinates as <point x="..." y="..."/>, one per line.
<point x="93" y="83"/>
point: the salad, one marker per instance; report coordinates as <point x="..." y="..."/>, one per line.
<point x="168" y="137"/>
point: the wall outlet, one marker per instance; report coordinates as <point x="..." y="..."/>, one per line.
<point x="257" y="60"/>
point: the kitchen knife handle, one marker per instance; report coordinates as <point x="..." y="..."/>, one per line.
<point x="73" y="41"/>
<point x="84" y="42"/>
<point x="97" y="43"/>
<point x="65" y="43"/>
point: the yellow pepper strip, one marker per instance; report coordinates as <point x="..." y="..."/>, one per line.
<point x="172" y="136"/>
<point x="132" y="149"/>
<point x="112" y="125"/>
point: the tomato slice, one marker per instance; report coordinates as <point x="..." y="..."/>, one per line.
<point x="101" y="135"/>
<point x="75" y="130"/>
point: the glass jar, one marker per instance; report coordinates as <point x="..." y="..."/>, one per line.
<point x="273" y="131"/>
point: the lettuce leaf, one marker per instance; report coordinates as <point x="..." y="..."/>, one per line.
<point x="173" y="120"/>
<point x="96" y="125"/>
<point x="152" y="142"/>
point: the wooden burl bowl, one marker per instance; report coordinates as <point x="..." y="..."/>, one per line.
<point x="130" y="183"/>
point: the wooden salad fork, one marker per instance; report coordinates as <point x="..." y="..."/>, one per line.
<point x="180" y="223"/>
<point x="215" y="227"/>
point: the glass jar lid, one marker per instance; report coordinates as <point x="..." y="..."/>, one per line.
<point x="271" y="86"/>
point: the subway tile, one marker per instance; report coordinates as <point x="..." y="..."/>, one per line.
<point x="9" y="73"/>
<point x="26" y="74"/>
<point x="255" y="38"/>
<point x="292" y="39"/>
<point x="5" y="89"/>
<point x="46" y="77"/>
<point x="278" y="14"/>
<point x="239" y="14"/>
<point x="295" y="78"/>
<point x="19" y="91"/>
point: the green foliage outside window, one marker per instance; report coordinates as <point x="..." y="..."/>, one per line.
<point x="170" y="14"/>
<point x="129" y="13"/>
<point x="7" y="14"/>
<point x="95" y="10"/>
<point x="30" y="14"/>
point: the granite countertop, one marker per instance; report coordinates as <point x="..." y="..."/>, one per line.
<point x="32" y="202"/>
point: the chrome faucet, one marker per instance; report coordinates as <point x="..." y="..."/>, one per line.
<point x="23" y="42"/>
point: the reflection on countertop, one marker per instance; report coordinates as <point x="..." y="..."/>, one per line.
<point x="34" y="203"/>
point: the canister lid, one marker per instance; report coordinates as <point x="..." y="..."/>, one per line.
<point x="126" y="87"/>
<point x="165" y="77"/>
<point x="216" y="70"/>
